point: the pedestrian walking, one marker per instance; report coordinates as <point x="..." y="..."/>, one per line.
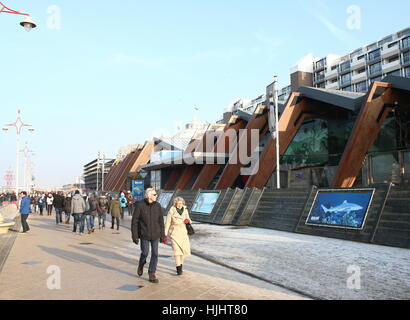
<point x="24" y="210"/>
<point x="130" y="203"/>
<point x="78" y="208"/>
<point x="92" y="213"/>
<point x="58" y="203"/>
<point x="102" y="213"/>
<point x="115" y="211"/>
<point x="148" y="226"/>
<point x="123" y="201"/>
<point x="33" y="202"/>
<point x="41" y="203"/>
<point x="175" y="229"/>
<point x="67" y="208"/>
<point x="49" y="204"/>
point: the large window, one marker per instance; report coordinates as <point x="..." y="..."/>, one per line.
<point x="156" y="179"/>
<point x="346" y="78"/>
<point x="406" y="167"/>
<point x="407" y="72"/>
<point x="406" y="57"/>
<point x="391" y="45"/>
<point x="374" y="54"/>
<point x="375" y="79"/>
<point x="321" y="64"/>
<point x="394" y="73"/>
<point x="345" y="66"/>
<point x="385" y="168"/>
<point x="374" y="68"/>
<point x="406" y="43"/>
<point x="361" y="86"/>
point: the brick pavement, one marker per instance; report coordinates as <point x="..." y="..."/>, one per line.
<point x="103" y="266"/>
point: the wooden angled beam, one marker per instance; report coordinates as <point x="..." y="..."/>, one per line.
<point x="296" y="111"/>
<point x="378" y="104"/>
<point x="232" y="170"/>
<point x="143" y="157"/>
<point x="120" y="181"/>
<point x="186" y="175"/>
<point x="225" y="144"/>
<point x="173" y="178"/>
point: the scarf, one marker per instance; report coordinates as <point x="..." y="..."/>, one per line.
<point x="180" y="211"/>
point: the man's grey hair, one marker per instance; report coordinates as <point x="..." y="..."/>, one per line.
<point x="148" y="191"/>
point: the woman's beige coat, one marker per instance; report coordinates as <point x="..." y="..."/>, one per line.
<point x="176" y="230"/>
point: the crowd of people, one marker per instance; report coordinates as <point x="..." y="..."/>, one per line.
<point x="148" y="228"/>
<point x="83" y="209"/>
<point x="7" y="198"/>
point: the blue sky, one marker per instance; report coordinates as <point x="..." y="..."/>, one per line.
<point x="120" y="72"/>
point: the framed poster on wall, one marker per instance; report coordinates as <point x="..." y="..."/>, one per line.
<point x="164" y="199"/>
<point x="138" y="189"/>
<point x="205" y="202"/>
<point x="340" y="208"/>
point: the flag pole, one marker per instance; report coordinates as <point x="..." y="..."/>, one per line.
<point x="277" y="133"/>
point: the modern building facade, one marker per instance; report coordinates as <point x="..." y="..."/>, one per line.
<point x="95" y="172"/>
<point x="356" y="70"/>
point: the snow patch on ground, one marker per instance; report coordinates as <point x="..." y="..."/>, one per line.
<point x="315" y="265"/>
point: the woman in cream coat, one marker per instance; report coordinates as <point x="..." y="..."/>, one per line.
<point x="175" y="228"/>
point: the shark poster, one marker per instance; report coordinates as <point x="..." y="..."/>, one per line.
<point x="205" y="202"/>
<point x="346" y="208"/>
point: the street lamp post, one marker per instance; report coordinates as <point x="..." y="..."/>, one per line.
<point x="18" y="124"/>
<point x="27" y="165"/>
<point x="27" y="22"/>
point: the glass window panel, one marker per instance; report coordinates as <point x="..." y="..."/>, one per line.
<point x="385" y="168"/>
<point x="407" y="167"/>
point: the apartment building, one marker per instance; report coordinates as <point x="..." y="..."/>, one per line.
<point x="358" y="69"/>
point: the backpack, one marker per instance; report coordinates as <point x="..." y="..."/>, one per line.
<point x="103" y="203"/>
<point x="93" y="205"/>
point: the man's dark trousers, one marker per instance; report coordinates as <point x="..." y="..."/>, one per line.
<point x="24" y="222"/>
<point x="154" y="254"/>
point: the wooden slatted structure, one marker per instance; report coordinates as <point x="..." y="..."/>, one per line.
<point x="259" y="121"/>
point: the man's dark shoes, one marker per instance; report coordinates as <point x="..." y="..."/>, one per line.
<point x="140" y="270"/>
<point x="153" y="278"/>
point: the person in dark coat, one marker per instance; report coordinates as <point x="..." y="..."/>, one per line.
<point x="148" y="225"/>
<point x="115" y="211"/>
<point x="58" y="203"/>
<point x="67" y="208"/>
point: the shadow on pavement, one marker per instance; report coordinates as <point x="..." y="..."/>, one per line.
<point x="75" y="257"/>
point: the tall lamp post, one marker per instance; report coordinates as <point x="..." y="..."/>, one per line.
<point x="27" y="22"/>
<point x="274" y="125"/>
<point x="18" y="124"/>
<point x="27" y="167"/>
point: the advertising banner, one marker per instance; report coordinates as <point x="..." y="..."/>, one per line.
<point x="341" y="208"/>
<point x="205" y="202"/>
<point x="138" y="189"/>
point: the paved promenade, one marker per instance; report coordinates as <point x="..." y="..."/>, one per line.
<point x="103" y="265"/>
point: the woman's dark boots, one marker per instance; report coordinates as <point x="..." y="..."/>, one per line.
<point x="179" y="270"/>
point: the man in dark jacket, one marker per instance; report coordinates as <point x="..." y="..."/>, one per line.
<point x="148" y="225"/>
<point x="67" y="208"/>
<point x="58" y="204"/>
